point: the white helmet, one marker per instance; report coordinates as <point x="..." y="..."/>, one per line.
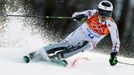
<point x="105" y="8"/>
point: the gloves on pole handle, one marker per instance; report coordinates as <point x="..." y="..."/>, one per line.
<point x="113" y="59"/>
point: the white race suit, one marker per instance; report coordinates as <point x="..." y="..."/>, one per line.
<point x="92" y="30"/>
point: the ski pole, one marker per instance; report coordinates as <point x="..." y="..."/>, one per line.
<point x="126" y="63"/>
<point x="46" y="17"/>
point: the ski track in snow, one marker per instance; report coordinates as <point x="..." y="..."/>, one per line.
<point x="11" y="64"/>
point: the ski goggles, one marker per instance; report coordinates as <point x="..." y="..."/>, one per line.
<point x="105" y="13"/>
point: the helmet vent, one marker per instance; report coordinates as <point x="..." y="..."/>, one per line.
<point x="106" y="4"/>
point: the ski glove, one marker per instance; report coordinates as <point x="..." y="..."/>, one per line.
<point x="113" y="59"/>
<point x="81" y="17"/>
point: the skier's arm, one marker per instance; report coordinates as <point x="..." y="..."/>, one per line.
<point x="83" y="16"/>
<point x="114" y="35"/>
<point x="115" y="41"/>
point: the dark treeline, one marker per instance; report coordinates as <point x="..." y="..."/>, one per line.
<point x="123" y="18"/>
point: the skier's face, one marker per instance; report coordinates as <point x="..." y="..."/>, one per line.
<point x="103" y="18"/>
<point x="104" y="15"/>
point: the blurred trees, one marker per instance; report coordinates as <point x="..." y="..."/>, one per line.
<point x="59" y="8"/>
<point x="56" y="29"/>
<point x="123" y="15"/>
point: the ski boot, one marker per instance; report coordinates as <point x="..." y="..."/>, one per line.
<point x="60" y="62"/>
<point x="58" y="59"/>
<point x="63" y="63"/>
<point x="27" y="58"/>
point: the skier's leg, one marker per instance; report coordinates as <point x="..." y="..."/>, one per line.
<point x="36" y="56"/>
<point x="56" y="45"/>
<point x="42" y="54"/>
<point x="75" y="49"/>
<point x="78" y="42"/>
<point x="73" y="39"/>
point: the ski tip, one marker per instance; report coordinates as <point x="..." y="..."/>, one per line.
<point x="62" y="63"/>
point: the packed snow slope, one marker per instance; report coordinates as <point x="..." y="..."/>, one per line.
<point x="85" y="63"/>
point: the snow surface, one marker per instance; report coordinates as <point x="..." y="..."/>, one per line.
<point x="89" y="63"/>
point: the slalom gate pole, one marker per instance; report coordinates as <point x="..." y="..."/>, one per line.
<point x="46" y="17"/>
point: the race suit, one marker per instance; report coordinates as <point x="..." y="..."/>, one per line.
<point x="92" y="30"/>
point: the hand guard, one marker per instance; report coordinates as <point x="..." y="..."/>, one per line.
<point x="81" y="17"/>
<point x="113" y="59"/>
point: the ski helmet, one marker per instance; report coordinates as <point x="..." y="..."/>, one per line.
<point x="105" y="8"/>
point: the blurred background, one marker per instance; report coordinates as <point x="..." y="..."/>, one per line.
<point x="57" y="29"/>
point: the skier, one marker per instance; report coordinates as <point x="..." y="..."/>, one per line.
<point x="96" y="25"/>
